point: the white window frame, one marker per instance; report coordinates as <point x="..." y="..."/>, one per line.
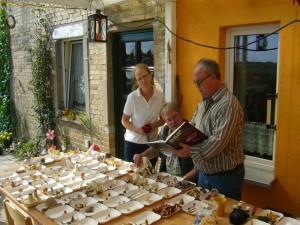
<point x="258" y="171"/>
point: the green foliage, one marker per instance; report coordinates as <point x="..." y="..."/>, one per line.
<point x="5" y="73"/>
<point x="26" y="149"/>
<point x="41" y="60"/>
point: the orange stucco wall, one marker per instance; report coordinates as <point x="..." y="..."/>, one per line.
<point x="205" y="21"/>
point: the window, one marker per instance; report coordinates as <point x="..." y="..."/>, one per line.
<point x="251" y="73"/>
<point x="73" y="75"/>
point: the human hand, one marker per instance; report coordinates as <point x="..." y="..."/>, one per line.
<point x="147" y="128"/>
<point x="137" y="159"/>
<point x="184" y="152"/>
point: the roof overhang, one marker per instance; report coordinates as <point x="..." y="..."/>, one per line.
<point x="79" y="3"/>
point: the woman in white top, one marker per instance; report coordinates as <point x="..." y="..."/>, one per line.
<point x="141" y="108"/>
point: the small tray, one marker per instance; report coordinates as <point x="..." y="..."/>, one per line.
<point x="198" y="193"/>
<point x="182" y="199"/>
<point x="184" y="185"/>
<point x="153" y="188"/>
<point x="82" y="203"/>
<point x="106" y="215"/>
<point x="96" y="207"/>
<point x="267" y="212"/>
<point x="190" y="207"/>
<point x="58" y="211"/>
<point x="85" y="221"/>
<point x="123" y="189"/>
<point x="115" y="201"/>
<point x="129" y="207"/>
<point x="149" y="199"/>
<point x="116" y="173"/>
<point x="73" y="196"/>
<point x="135" y="194"/>
<point x="113" y="183"/>
<point x="151" y="217"/>
<point x="106" y="195"/>
<point x="169" y="192"/>
<point x="160" y="176"/>
<point x="167" y="209"/>
<point x="43" y="208"/>
<point x="68" y="217"/>
<point x="171" y="181"/>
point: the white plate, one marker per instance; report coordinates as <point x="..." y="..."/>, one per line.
<point x="171" y="180"/>
<point x="106" y="215"/>
<point x="73" y="196"/>
<point x="115" y="201"/>
<point x="155" y="187"/>
<point x="24" y="188"/>
<point x="135" y="194"/>
<point x="97" y="207"/>
<point x="58" y="211"/>
<point x="68" y="180"/>
<point x="111" y="184"/>
<point x="116" y="173"/>
<point x="182" y="199"/>
<point x="103" y="168"/>
<point x="184" y="185"/>
<point x="52" y="171"/>
<point x="149" y="199"/>
<point x="167" y="209"/>
<point x="168" y="192"/>
<point x="82" y="203"/>
<point x="79" y="185"/>
<point x="256" y="222"/>
<point x="190" y="207"/>
<point x="106" y="195"/>
<point x="42" y="207"/>
<point x="39" y="183"/>
<point x="129" y="207"/>
<point x="198" y="193"/>
<point x="49" y="189"/>
<point x="123" y="189"/>
<point x="147" y="215"/>
<point x="85" y="221"/>
<point x="288" y="221"/>
<point x="67" y="218"/>
<point x="160" y="176"/>
<point x="266" y="212"/>
<point x="143" y="181"/>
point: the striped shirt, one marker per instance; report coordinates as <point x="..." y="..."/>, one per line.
<point x="221" y="118"/>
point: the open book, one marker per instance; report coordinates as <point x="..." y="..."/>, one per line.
<point x="186" y="133"/>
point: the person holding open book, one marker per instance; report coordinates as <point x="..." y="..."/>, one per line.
<point x="171" y="163"/>
<point x="141" y="114"/>
<point x="220" y="157"/>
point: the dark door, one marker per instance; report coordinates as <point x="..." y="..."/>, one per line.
<point x="130" y="48"/>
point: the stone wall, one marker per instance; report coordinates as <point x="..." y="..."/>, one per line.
<point x="100" y="77"/>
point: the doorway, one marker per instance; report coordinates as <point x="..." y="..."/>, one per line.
<point x="129" y="48"/>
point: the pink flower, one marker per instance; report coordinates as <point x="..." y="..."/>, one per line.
<point x="50" y="134"/>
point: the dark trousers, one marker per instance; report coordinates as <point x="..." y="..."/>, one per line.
<point x="229" y="183"/>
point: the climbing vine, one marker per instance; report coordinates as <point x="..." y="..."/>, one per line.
<point x="5" y="73"/>
<point x="41" y="60"/>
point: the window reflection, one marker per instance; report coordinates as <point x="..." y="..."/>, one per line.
<point x="147" y="52"/>
<point x="130" y="57"/>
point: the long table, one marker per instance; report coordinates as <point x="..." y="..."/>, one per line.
<point x="179" y="218"/>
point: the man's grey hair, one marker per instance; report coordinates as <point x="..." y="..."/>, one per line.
<point x="210" y="67"/>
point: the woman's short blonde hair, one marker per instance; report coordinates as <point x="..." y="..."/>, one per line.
<point x="139" y="66"/>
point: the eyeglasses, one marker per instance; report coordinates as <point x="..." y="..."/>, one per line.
<point x="200" y="81"/>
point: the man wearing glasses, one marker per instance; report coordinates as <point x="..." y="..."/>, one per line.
<point x="220" y="158"/>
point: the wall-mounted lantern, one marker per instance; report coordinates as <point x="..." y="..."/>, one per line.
<point x="97" y="27"/>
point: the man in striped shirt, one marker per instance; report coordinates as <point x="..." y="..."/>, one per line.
<point x="220" y="158"/>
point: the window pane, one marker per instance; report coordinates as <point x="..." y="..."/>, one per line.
<point x="77" y="89"/>
<point x="130" y="52"/>
<point x="255" y="73"/>
<point x="147" y="52"/>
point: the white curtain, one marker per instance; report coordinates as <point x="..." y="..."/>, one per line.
<point x="258" y="138"/>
